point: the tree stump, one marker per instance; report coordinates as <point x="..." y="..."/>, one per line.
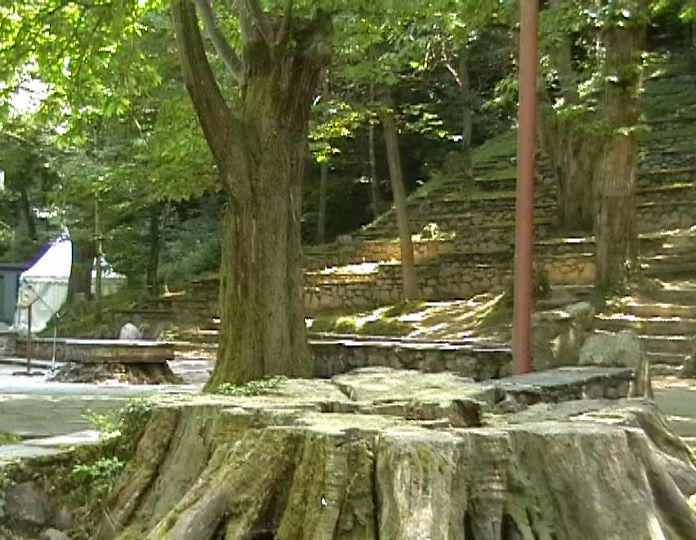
<point x="402" y="455"/>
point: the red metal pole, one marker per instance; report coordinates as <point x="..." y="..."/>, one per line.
<point x="524" y="207"/>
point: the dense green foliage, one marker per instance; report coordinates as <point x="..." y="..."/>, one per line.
<point x="92" y="109"/>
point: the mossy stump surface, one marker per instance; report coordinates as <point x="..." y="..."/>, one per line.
<point x="402" y="455"/>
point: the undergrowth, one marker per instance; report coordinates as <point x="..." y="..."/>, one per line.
<point x="251" y="388"/>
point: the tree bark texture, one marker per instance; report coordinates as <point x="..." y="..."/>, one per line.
<point x="321" y="212"/>
<point x="391" y="139"/>
<point x="80" y="280"/>
<point x="573" y="154"/>
<point x="285" y="467"/>
<point x="375" y="195"/>
<point x="260" y="150"/>
<point x="323" y="179"/>
<point x="154" y="251"/>
<point x="27" y="211"/>
<point x="615" y="229"/>
<point x="464" y="84"/>
<point x="573" y="150"/>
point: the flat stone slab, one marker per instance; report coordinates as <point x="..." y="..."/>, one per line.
<point x="13" y="452"/>
<point x="378" y="384"/>
<point x="565" y="383"/>
<point x="85" y="437"/>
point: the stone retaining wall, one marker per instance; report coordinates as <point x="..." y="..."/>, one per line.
<point x="443" y="281"/>
<point x="341" y="355"/>
<point x="669" y="215"/>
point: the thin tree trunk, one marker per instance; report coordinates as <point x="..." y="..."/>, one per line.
<point x="323" y="181"/>
<point x="562" y="59"/>
<point x="376" y="197"/>
<point x="321" y="217"/>
<point x="572" y="151"/>
<point x="619" y="108"/>
<point x="98" y="268"/>
<point x="80" y="280"/>
<point x="154" y="252"/>
<point x="260" y="150"/>
<point x="467" y="116"/>
<point x="391" y="139"/>
<point x="573" y="155"/>
<point x="27" y="211"/>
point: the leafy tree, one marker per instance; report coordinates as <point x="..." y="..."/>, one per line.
<point x="253" y="101"/>
<point x="27" y="179"/>
<point x="591" y="111"/>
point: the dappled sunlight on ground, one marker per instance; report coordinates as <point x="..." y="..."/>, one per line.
<point x="671" y="381"/>
<point x="362" y="268"/>
<point x="484" y="316"/>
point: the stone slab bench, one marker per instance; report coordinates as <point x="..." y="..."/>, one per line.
<point x="117" y="351"/>
<point x="568" y="383"/>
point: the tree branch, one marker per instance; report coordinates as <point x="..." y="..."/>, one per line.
<point x="219" y="126"/>
<point x="284" y="29"/>
<point x="222" y="46"/>
<point x="259" y="19"/>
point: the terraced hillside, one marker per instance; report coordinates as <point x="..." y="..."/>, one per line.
<point x="464" y="238"/>
<point x="464" y="233"/>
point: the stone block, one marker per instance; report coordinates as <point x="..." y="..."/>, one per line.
<point x="29" y="502"/>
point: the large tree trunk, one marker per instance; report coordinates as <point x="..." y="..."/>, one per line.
<point x="391" y="138"/>
<point x="260" y="150"/>
<point x="262" y="308"/>
<point x="615" y="181"/>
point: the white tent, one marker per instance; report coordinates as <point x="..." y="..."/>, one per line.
<point x="45" y="286"/>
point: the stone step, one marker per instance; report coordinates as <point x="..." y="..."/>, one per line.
<point x="666" y="358"/>
<point x="672" y="122"/>
<point x="666" y="268"/>
<point x="199" y="336"/>
<point x="666" y="175"/>
<point x="646" y="325"/>
<point x="675" y="344"/>
<point x="676" y="191"/>
<point x="456" y="224"/>
<point x="658" y="309"/>
<point x="664" y="370"/>
<point x="675" y="292"/>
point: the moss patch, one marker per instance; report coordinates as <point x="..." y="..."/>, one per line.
<point x="372" y="323"/>
<point x="7" y="438"/>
